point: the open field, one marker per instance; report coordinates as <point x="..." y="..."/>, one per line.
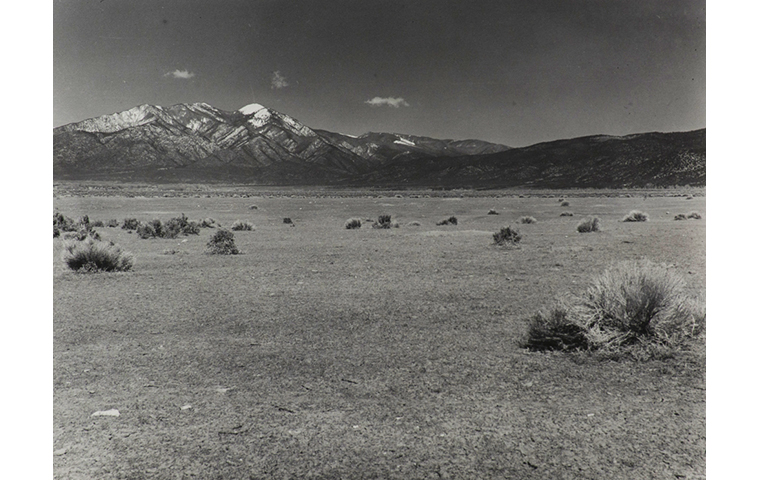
<point x="321" y="352"/>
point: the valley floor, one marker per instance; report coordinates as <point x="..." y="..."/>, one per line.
<point x="321" y="352"/>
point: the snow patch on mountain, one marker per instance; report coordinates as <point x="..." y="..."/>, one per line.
<point x="404" y="141"/>
<point x="118" y="121"/>
<point x="251" y="109"/>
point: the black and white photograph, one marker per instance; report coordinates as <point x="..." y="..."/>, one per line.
<point x="338" y="239"/>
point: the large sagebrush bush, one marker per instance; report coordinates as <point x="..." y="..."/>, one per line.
<point x="222" y="242"/>
<point x="629" y="305"/>
<point x="90" y="255"/>
<point x="383" y="221"/>
<point x="130" y="224"/>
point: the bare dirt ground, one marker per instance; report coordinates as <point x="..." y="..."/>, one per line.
<point x="322" y="352"/>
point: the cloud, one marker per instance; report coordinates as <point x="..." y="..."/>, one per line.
<point x="389" y="101"/>
<point x="278" y="81"/>
<point x="181" y="74"/>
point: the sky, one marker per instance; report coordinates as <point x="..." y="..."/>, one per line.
<point x="506" y="71"/>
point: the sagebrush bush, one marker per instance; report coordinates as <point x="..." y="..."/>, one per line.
<point x="287" y="220"/>
<point x="449" y="221"/>
<point x="636" y="216"/>
<point x="566" y="214"/>
<point x="629" y="305"/>
<point x="352" y="223"/>
<point x="207" y="223"/>
<point x="130" y="224"/>
<point x="680" y="216"/>
<point x="507" y="235"/>
<point x="240" y="225"/>
<point x="112" y="223"/>
<point x="414" y="223"/>
<point x="528" y="219"/>
<point x="222" y="242"/>
<point x="694" y="215"/>
<point x="182" y="225"/>
<point x="564" y="203"/>
<point x="62" y="223"/>
<point x="493" y="212"/>
<point x="254" y="207"/>
<point x="96" y="223"/>
<point x="91" y="255"/>
<point x="383" y="221"/>
<point x="589" y="225"/>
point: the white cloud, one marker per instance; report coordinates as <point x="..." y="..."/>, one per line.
<point x="182" y="74"/>
<point x="278" y="81"/>
<point x="389" y="101"/>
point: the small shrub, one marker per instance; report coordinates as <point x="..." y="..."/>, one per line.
<point x="555" y="331"/>
<point x="395" y="224"/>
<point x="91" y="255"/>
<point x="680" y="216"/>
<point x="254" y="207"/>
<point x="222" y="242"/>
<point x="589" y="225"/>
<point x="636" y="216"/>
<point x="96" y="223"/>
<point x="449" y="221"/>
<point x="146" y="230"/>
<point x="242" y="226"/>
<point x="414" y="223"/>
<point x="528" y="220"/>
<point x="287" y="220"/>
<point x="130" y="224"/>
<point x="383" y="221"/>
<point x="352" y="223"/>
<point x="62" y="223"/>
<point x="182" y="225"/>
<point x="207" y="223"/>
<point x="507" y="235"/>
<point x="112" y="223"/>
<point x="566" y="214"/>
<point x="694" y="215"/>
<point x="493" y="212"/>
<point x="564" y="203"/>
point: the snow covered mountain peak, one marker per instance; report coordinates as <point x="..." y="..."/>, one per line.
<point x="251" y="109"/>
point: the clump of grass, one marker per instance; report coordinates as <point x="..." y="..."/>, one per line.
<point x="449" y="221"/>
<point x="90" y="255"/>
<point x="636" y="216"/>
<point x="352" y="223"/>
<point x="240" y="225"/>
<point x="564" y="203"/>
<point x="383" y="221"/>
<point x="508" y="235"/>
<point x="694" y="215"/>
<point x="222" y="242"/>
<point x="130" y="224"/>
<point x="632" y="305"/>
<point x="113" y="223"/>
<point x="566" y="214"/>
<point x="528" y="219"/>
<point x="680" y="216"/>
<point x="493" y="212"/>
<point x="589" y="225"/>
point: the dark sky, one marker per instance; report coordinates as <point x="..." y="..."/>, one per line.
<point x="513" y="72"/>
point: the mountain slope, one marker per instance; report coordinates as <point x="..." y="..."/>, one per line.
<point x="253" y="144"/>
<point x="655" y="159"/>
<point x="256" y="145"/>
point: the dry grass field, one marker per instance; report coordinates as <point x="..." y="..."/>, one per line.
<point x="324" y="352"/>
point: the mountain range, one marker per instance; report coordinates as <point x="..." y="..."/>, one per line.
<point x="257" y="145"/>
